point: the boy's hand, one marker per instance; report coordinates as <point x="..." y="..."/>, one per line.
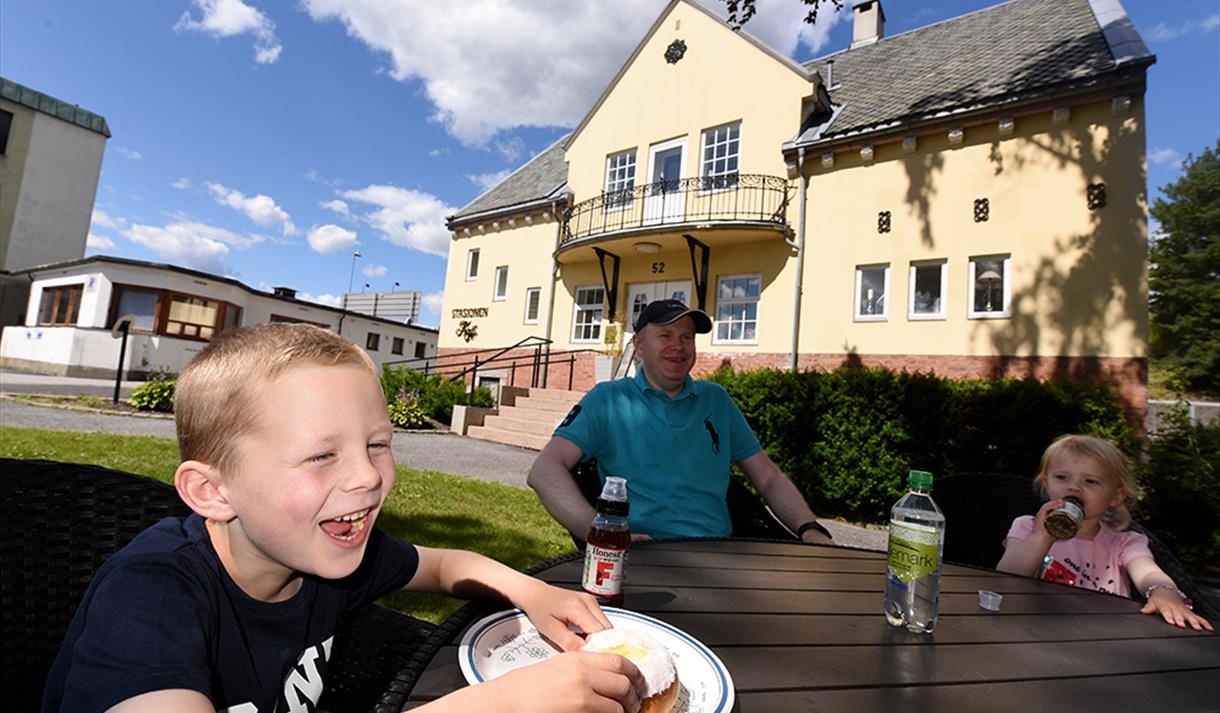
<point x="552" y="609"/>
<point x="1174" y="611"/>
<point x="576" y="681"/>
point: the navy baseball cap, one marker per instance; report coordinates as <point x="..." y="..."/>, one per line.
<point x="669" y="311"/>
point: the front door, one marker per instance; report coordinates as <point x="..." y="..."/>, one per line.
<point x="640" y="294"/>
<point x="664" y="201"/>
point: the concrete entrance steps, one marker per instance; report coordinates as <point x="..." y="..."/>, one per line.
<point x="526" y="420"/>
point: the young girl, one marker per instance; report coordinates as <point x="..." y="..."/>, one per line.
<point x="1103" y="555"/>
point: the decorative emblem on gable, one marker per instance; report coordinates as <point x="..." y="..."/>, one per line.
<point x="674" y="52"/>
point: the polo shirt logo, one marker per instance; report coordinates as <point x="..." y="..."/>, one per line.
<point x="715" y="436"/>
<point x="567" y="420"/>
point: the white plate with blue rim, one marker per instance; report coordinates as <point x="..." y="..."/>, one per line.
<point x="506" y="641"/>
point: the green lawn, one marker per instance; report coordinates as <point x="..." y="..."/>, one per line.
<point x="425" y="507"/>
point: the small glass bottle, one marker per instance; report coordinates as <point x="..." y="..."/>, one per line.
<point x="607" y="544"/>
<point x="916" y="545"/>
<point x="1063" y="522"/>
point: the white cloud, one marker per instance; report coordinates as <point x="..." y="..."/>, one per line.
<point x="1165" y="157"/>
<point x="405" y="217"/>
<point x="181" y="184"/>
<point x="434" y="302"/>
<point x="439" y="152"/>
<point x="324" y="299"/>
<point x="375" y="271"/>
<point x="487" y="180"/>
<point x="1164" y="32"/>
<point x="337" y="206"/>
<point x="99" y="242"/>
<point x="330" y="238"/>
<point x="485" y="71"/>
<point x="103" y="219"/>
<point x="190" y="243"/>
<point x="510" y="149"/>
<point x="229" y="18"/>
<point x="129" y="153"/>
<point x="260" y="209"/>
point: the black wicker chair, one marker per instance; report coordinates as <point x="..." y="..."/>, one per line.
<point x="1169" y="562"/>
<point x="749" y="516"/>
<point x="63" y="520"/>
<point x="979" y="509"/>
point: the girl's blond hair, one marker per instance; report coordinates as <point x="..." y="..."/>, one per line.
<point x="214" y="400"/>
<point x="1111" y="460"/>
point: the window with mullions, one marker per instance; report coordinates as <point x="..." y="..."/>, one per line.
<point x="192" y="316"/>
<point x="927" y="282"/>
<point x="60" y="305"/>
<point x="990" y="291"/>
<point x="721" y="147"/>
<point x="587" y="320"/>
<point x="501" y="292"/>
<point x="396" y="346"/>
<point x="372" y="342"/>
<point x="174" y="313"/>
<point x="737" y="308"/>
<point x="620" y="180"/>
<point x="533" y="300"/>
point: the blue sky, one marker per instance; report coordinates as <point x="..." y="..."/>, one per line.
<point x="268" y="140"/>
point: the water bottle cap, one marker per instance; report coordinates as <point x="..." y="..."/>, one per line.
<point x="614" y="489"/>
<point x="921" y="479"/>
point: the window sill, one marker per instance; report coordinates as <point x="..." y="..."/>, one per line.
<point x="499" y="299"/>
<point x="925" y="317"/>
<point x="735" y="342"/>
<point x="871" y="318"/>
<point x="989" y="315"/>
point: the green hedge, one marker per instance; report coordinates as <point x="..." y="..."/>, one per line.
<point x="435" y="395"/>
<point x="157" y="395"/>
<point x="1181" y="479"/>
<point x="848" y="437"/>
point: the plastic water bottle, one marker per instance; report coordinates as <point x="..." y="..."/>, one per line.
<point x="607" y="545"/>
<point x="917" y="540"/>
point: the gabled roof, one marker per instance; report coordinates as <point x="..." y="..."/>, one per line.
<point x="543" y="177"/>
<point x="36" y="100"/>
<point x="1018" y="50"/>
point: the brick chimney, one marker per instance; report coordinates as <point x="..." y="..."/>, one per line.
<point x="868" y="24"/>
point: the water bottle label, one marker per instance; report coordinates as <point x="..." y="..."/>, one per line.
<point x="604" y="569"/>
<point x="914" y="550"/>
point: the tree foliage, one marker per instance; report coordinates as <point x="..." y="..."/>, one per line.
<point x="740" y="11"/>
<point x="1184" y="278"/>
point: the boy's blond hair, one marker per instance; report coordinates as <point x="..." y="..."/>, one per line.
<point x="1111" y="460"/>
<point x="215" y="395"/>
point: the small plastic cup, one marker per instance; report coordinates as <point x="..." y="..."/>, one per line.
<point x="990" y="600"/>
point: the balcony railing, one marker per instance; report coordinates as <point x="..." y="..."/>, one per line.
<point x="749" y="198"/>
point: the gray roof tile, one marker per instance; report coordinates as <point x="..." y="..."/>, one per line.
<point x="542" y="176"/>
<point x="1019" y="48"/>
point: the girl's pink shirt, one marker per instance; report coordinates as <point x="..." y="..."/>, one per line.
<point x="1099" y="563"/>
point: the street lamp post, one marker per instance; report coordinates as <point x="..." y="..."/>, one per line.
<point x="350" y="276"/>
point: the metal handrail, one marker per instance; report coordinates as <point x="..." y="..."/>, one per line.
<point x="745" y="197"/>
<point x="471" y="366"/>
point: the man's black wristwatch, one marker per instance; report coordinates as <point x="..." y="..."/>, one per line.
<point x="813" y="525"/>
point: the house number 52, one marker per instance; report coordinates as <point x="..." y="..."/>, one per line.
<point x="658" y="267"/>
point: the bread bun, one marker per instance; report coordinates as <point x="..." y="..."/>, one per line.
<point x="661" y="687"/>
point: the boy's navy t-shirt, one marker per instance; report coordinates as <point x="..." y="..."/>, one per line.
<point x="163" y="613"/>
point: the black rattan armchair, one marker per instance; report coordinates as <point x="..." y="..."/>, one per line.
<point x="63" y="520"/>
<point x="979" y="509"/>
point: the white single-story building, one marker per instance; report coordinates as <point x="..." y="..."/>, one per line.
<point x="68" y="326"/>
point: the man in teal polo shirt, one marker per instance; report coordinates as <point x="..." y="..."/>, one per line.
<point x="671" y="437"/>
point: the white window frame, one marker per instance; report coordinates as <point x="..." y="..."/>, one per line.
<point x="710" y="139"/>
<point x="500" y="286"/>
<point x="944" y="288"/>
<point x="620" y="180"/>
<point x="578" y="309"/>
<point x="1006" y="311"/>
<point x="857" y="294"/>
<point x="472" y="264"/>
<point x="716" y="339"/>
<point x="537" y="291"/>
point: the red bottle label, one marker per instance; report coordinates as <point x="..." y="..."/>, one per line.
<point x="604" y="570"/>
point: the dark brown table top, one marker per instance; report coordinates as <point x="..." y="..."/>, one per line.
<point x="800" y="628"/>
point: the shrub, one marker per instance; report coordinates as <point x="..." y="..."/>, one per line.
<point x="407" y="412"/>
<point x="154" y="396"/>
<point x="437" y="394"/>
<point x="1181" y="479"/>
<point x="848" y="437"/>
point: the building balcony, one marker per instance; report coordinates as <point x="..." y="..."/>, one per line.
<point x="738" y="201"/>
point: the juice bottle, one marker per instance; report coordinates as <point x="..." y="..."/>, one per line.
<point x="607" y="544"/>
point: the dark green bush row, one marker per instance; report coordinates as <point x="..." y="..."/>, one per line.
<point x="1181" y="479"/>
<point x="436" y="395"/>
<point x="848" y="437"/>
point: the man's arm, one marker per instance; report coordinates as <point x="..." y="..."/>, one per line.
<point x="551" y="478"/>
<point x="178" y="699"/>
<point x="781" y="496"/>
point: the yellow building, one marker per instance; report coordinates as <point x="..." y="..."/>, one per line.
<point x="966" y="198"/>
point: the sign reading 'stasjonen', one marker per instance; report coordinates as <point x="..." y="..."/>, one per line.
<point x="470" y="312"/>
